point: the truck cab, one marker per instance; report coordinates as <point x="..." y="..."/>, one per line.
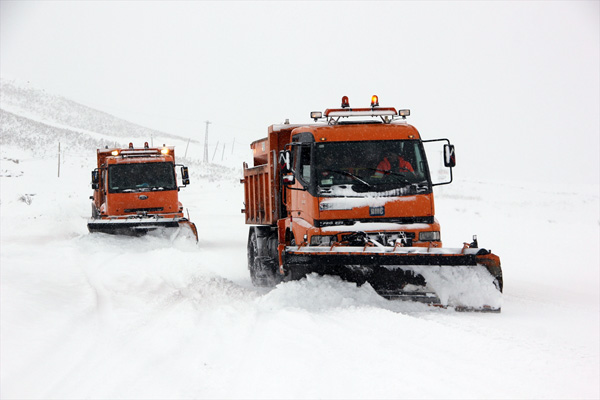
<point x="370" y="177"/>
<point x="136" y="190"/>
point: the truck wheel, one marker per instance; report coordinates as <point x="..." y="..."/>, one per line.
<point x="263" y="271"/>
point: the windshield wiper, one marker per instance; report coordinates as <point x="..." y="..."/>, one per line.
<point x="335" y="171"/>
<point x="399" y="177"/>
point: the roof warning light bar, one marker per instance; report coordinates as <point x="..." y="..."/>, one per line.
<point x="387" y="114"/>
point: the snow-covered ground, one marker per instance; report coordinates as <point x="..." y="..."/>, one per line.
<point x="99" y="316"/>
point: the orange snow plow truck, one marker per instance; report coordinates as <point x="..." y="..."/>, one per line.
<point x="351" y="195"/>
<point x="136" y="191"/>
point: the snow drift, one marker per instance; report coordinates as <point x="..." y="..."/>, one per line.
<point x="98" y="316"/>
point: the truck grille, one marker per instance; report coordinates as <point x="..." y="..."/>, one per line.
<point x="143" y="210"/>
<point x="401" y="220"/>
<point x="385" y="238"/>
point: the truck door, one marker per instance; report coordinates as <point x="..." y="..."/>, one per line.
<point x="300" y="205"/>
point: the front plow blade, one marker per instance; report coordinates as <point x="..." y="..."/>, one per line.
<point x="465" y="279"/>
<point x="138" y="226"/>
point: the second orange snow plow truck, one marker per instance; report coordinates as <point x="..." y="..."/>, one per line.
<point x="136" y="191"/>
<point x="351" y="195"/>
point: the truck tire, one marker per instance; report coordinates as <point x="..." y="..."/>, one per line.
<point x="263" y="269"/>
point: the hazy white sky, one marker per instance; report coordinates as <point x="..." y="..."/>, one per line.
<point x="515" y="85"/>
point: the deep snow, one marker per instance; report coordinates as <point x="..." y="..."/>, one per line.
<point x="99" y="316"/>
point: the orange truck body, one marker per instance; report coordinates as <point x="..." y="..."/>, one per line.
<point x="136" y="191"/>
<point x="264" y="194"/>
<point x="307" y="218"/>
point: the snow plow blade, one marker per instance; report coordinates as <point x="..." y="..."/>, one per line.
<point x="138" y="226"/>
<point x="468" y="279"/>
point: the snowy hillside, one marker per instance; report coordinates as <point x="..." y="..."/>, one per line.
<point x="26" y="101"/>
<point x="97" y="316"/>
<point x="32" y="119"/>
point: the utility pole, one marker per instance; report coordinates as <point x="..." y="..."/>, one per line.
<point x="59" y="159"/>
<point x="232" y="145"/>
<point x="186" y="148"/>
<point x="223" y="154"/>
<point x="206" y="143"/>
<point x="215" y="152"/>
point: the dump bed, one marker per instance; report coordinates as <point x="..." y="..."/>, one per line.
<point x="262" y="186"/>
<point x="260" y="193"/>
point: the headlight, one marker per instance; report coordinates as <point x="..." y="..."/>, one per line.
<point x="317" y="240"/>
<point x="429" y="236"/>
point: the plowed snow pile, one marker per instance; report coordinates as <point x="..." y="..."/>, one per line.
<point x="98" y="316"/>
<point x="462" y="286"/>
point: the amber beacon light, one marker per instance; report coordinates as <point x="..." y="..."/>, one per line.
<point x="374" y="101"/>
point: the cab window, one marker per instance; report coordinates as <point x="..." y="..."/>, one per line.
<point x="303" y="167"/>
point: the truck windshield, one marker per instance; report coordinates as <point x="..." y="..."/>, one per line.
<point x="141" y="177"/>
<point x="393" y="167"/>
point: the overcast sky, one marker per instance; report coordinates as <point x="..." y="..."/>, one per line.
<point x="515" y="85"/>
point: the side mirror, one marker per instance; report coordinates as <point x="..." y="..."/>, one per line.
<point x="449" y="156"/>
<point x="185" y="176"/>
<point x="285" y="162"/>
<point x="289" y="179"/>
<point x="95" y="179"/>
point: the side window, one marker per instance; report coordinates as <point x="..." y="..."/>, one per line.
<point x="417" y="158"/>
<point x="302" y="163"/>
